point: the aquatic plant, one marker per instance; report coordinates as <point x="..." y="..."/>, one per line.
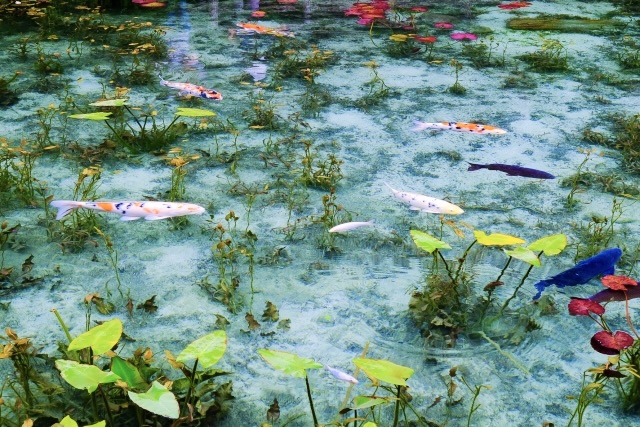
<point x="47" y="63"/>
<point x="262" y="114"/>
<point x="378" y="89"/>
<point x="575" y="179"/>
<point x="457" y="88"/>
<point x="481" y="54"/>
<point x="551" y="57"/>
<point x="17" y="181"/>
<point x="599" y="232"/>
<point x="8" y="96"/>
<point x="625" y="137"/>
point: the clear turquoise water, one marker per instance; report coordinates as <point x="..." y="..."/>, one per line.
<point x="337" y="303"/>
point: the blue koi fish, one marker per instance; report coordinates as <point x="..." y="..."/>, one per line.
<point x="603" y="264"/>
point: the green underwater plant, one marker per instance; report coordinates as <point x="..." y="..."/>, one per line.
<point x="625" y="137"/>
<point x="551" y="57"/>
<point x="456" y="88"/>
<point x="378" y="89"/>
<point x="7" y="95"/>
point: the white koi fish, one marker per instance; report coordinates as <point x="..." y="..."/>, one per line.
<point x="193" y="90"/>
<point x="131" y="211"/>
<point x="342" y="376"/>
<point x="418" y="202"/>
<point x="348" y="226"/>
<point x="458" y="127"/>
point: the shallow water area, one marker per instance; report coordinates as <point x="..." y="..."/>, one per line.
<point x="310" y="133"/>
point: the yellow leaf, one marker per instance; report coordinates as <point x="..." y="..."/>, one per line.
<point x="496" y="239"/>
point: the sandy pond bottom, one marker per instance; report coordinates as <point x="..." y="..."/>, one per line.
<point x="338" y="304"/>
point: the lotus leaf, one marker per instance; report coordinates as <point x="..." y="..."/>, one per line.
<point x="110" y="103"/>
<point x="524" y="254"/>
<point x="127" y="372"/>
<point x="427" y="242"/>
<point x="98" y="115"/>
<point x="157" y="400"/>
<point x="194" y="112"/>
<point x="100" y="338"/>
<point x="550" y="245"/>
<point x="288" y="363"/>
<point x="208" y="349"/>
<point x="84" y="377"/>
<point x="496" y="239"/>
<point x="383" y="370"/>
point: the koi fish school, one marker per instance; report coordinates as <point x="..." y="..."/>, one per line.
<point x="193" y="90"/>
<point x="131" y="211"/>
<point x="459" y="127"/>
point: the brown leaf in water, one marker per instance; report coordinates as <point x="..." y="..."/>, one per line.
<point x="130" y="307"/>
<point x="221" y="321"/>
<point x="253" y="323"/>
<point x="270" y="312"/>
<point x="273" y="413"/>
<point x="6" y="272"/>
<point x="149" y="305"/>
<point x="492" y="285"/>
<point x="27" y="265"/>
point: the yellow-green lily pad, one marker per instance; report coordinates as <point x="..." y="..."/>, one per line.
<point x="496" y="239"/>
<point x="427" y="242"/>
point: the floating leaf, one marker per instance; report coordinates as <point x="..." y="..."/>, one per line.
<point x="383" y="370"/>
<point x="149" y="305"/>
<point x="127" y="372"/>
<point x="363" y="402"/>
<point x="496" y="239"/>
<point x="100" y="338"/>
<point x="289" y="363"/>
<point x="110" y="103"/>
<point x="251" y="321"/>
<point x="27" y="265"/>
<point x="98" y="115"/>
<point x="157" y="400"/>
<point x="194" y="112"/>
<point x="68" y="422"/>
<point x="550" y="245"/>
<point x="427" y="242"/>
<point x="270" y="312"/>
<point x="618" y="283"/>
<point x="208" y="349"/>
<point x="84" y="377"/>
<point x="524" y="254"/>
<point x="583" y="306"/>
<point x="606" y="342"/>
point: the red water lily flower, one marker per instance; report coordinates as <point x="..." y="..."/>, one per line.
<point x="258" y="14"/>
<point x="443" y="25"/>
<point x="463" y="36"/>
<point x="514" y="5"/>
<point x="618" y="283"/>
<point x="425" y="39"/>
<point x="418" y="9"/>
<point x="606" y="342"/>
<point x="582" y="307"/>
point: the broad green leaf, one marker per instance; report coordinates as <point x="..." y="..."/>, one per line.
<point x="370" y="424"/>
<point x="208" y="349"/>
<point x="427" y="242"/>
<point x="110" y="103"/>
<point x="68" y="422"/>
<point x="157" y="400"/>
<point x="98" y="115"/>
<point x="496" y="239"/>
<point x="127" y="372"/>
<point x="363" y="402"/>
<point x="550" y="245"/>
<point x="98" y="424"/>
<point x="524" y="254"/>
<point x="100" y="338"/>
<point x="289" y="363"/>
<point x="383" y="370"/>
<point x="84" y="377"/>
<point x="194" y="112"/>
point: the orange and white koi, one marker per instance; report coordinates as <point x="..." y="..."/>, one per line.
<point x="250" y="28"/>
<point x="131" y="211"/>
<point x="193" y="90"/>
<point x="418" y="202"/>
<point x="459" y="127"/>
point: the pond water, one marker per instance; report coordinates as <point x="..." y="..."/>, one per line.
<point x="316" y="123"/>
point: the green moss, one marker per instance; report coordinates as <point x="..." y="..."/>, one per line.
<point x="564" y="23"/>
<point x="625" y="137"/>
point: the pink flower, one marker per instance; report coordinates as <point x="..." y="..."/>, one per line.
<point x="364" y="21"/>
<point x="418" y="9"/>
<point x="463" y="36"/>
<point x="443" y="25"/>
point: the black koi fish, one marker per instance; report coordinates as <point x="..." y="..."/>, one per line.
<point x="512" y="170"/>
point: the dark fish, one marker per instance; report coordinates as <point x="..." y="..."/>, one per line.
<point x="600" y="264"/>
<point x="607" y="295"/>
<point x="512" y="170"/>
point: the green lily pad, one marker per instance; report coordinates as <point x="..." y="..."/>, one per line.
<point x="84" y="377"/>
<point x="383" y="370"/>
<point x="363" y="402"/>
<point x="370" y="424"/>
<point x="127" y="372"/>
<point x="70" y="422"/>
<point x="289" y="363"/>
<point x="157" y="400"/>
<point x="194" y="112"/>
<point x="524" y="254"/>
<point x="496" y="239"/>
<point x="208" y="349"/>
<point x="110" y="103"/>
<point x="98" y="424"/>
<point x="427" y="242"/>
<point x="98" y="115"/>
<point x="550" y="245"/>
<point x="100" y="338"/>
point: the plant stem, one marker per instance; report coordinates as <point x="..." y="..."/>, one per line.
<point x="396" y="412"/>
<point x="185" y="407"/>
<point x="313" y="411"/>
<point x="464" y="257"/>
<point x="62" y="324"/>
<point x="504" y="268"/>
<point x="508" y="300"/>
<point x="106" y="406"/>
<point x="446" y="266"/>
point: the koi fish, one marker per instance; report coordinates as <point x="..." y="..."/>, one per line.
<point x="418" y="202"/>
<point x="458" y="127"/>
<point x="342" y="376"/>
<point x="131" y="211"/>
<point x="512" y="170"/>
<point x="348" y="226"/>
<point x="600" y="264"/>
<point x="193" y="90"/>
<point x="250" y="28"/>
<point x="607" y="295"/>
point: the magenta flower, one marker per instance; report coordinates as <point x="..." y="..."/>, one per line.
<point x="443" y="25"/>
<point x="463" y="36"/>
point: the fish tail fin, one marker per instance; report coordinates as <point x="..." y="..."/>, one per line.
<point x="541" y="286"/>
<point x="474" y="166"/>
<point x="418" y="126"/>
<point x="390" y="187"/>
<point x="65" y="207"/>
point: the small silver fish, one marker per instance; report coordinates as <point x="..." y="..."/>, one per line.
<point x="348" y="226"/>
<point x="342" y="376"/>
<point x="418" y="202"/>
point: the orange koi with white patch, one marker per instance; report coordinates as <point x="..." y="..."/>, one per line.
<point x="459" y="127"/>
<point x="193" y="90"/>
<point x="130" y="211"/>
<point x="261" y="29"/>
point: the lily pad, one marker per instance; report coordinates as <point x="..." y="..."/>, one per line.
<point x="98" y="115"/>
<point x="618" y="283"/>
<point x="194" y="112"/>
<point x="208" y="349"/>
<point x="157" y="400"/>
<point x="524" y="254"/>
<point x="289" y="363"/>
<point x="84" y="377"/>
<point x="100" y="338"/>
<point x="496" y="239"/>
<point x="427" y="242"/>
<point x="70" y="422"/>
<point x="363" y="402"/>
<point x="550" y="245"/>
<point x="110" y="103"/>
<point x="383" y="370"/>
<point x="606" y="342"/>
